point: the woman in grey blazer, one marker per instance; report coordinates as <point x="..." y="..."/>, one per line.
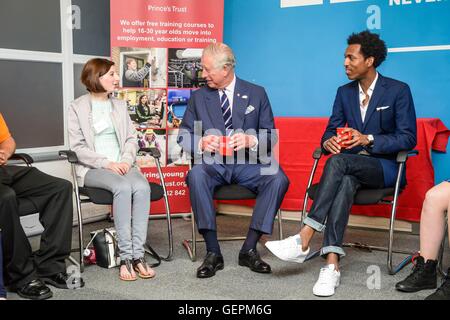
<point x="103" y="136"/>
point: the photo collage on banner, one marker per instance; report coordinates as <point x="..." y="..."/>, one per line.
<point x="157" y="50"/>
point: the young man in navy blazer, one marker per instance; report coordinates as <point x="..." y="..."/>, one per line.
<point x="381" y="120"/>
<point x="229" y="106"/>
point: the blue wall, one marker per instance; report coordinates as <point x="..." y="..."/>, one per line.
<point x="297" y="53"/>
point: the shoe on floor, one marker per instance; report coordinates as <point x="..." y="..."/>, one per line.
<point x="289" y="249"/>
<point x="211" y="264"/>
<point x="141" y="261"/>
<point x="252" y="260"/>
<point x="35" y="290"/>
<point x="328" y="281"/>
<point x="443" y="292"/>
<point x="422" y="277"/>
<point x="63" y="280"/>
<point x="129" y="267"/>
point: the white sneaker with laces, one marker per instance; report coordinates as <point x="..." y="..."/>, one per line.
<point x="289" y="249"/>
<point x="328" y="281"/>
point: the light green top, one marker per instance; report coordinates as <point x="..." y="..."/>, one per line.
<point x="105" y="141"/>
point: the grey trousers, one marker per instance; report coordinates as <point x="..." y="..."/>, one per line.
<point x="131" y="206"/>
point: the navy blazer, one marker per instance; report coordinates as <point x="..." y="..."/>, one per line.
<point x="390" y="118"/>
<point x="251" y="113"/>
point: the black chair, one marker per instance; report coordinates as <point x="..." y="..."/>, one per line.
<point x="25" y="205"/>
<point x="104" y="197"/>
<point x="369" y="197"/>
<point x="226" y="192"/>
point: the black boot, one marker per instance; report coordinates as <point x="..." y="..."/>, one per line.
<point x="443" y="292"/>
<point x="423" y="276"/>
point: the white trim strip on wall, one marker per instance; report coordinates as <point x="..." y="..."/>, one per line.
<point x="26" y="55"/>
<point x="82" y="59"/>
<point x="299" y="3"/>
<point x="343" y="1"/>
<point x="39" y="150"/>
<point x="419" y="49"/>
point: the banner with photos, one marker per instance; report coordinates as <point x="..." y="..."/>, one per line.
<point x="156" y="46"/>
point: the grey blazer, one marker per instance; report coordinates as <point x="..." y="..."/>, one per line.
<point x="81" y="135"/>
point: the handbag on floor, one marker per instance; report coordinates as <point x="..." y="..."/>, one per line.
<point x="105" y="246"/>
<point x="107" y="250"/>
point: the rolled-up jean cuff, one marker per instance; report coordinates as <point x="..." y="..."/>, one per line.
<point x="314" y="224"/>
<point x="332" y="249"/>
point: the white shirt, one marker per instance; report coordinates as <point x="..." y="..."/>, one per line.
<point x="362" y="96"/>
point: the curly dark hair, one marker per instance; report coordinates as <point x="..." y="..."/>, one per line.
<point x="371" y="46"/>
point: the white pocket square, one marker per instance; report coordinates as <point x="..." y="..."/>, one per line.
<point x="383" y="108"/>
<point x="244" y="97"/>
<point x="249" y="109"/>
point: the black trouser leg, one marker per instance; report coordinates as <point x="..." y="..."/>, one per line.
<point x="53" y="198"/>
<point x="17" y="259"/>
<point x="2" y="286"/>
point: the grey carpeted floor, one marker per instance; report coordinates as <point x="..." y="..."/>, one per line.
<point x="289" y="281"/>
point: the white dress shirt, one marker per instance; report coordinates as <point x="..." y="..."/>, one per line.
<point x="362" y="96"/>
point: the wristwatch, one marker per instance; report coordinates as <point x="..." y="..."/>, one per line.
<point x="370" y="138"/>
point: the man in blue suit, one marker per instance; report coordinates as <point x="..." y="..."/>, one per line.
<point x="381" y="120"/>
<point x="229" y="106"/>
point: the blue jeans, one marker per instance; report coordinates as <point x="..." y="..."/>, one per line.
<point x="343" y="175"/>
<point x="2" y="287"/>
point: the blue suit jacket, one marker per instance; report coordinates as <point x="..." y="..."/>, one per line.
<point x="251" y="111"/>
<point x="390" y="118"/>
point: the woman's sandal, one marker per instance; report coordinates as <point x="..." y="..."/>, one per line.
<point x="142" y="261"/>
<point x="128" y="264"/>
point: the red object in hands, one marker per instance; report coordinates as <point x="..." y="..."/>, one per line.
<point x="343" y="136"/>
<point x="225" y="149"/>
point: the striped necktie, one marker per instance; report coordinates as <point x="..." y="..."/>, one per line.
<point x="226" y="111"/>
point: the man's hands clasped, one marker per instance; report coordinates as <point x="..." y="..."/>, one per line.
<point x="333" y="145"/>
<point x="238" y="141"/>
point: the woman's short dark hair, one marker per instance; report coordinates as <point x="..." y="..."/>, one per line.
<point x="92" y="71"/>
<point x="371" y="46"/>
<point x="142" y="97"/>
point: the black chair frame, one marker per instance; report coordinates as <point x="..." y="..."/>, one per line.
<point x="104" y="197"/>
<point x="26" y="207"/>
<point x="225" y="192"/>
<point x="385" y="196"/>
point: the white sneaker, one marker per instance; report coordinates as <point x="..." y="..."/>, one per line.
<point x="328" y="280"/>
<point x="289" y="249"/>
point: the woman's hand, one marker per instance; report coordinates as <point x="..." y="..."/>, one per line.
<point x="120" y="168"/>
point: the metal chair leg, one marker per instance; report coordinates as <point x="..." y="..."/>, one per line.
<point x="394" y="270"/>
<point x="280" y="226"/>
<point x="80" y="220"/>
<point x="191" y="245"/>
<point x="169" y="228"/>
<point x="305" y="205"/>
<point x="168" y="216"/>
